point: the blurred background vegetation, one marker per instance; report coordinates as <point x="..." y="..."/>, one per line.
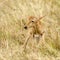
<point x="13" y="15"/>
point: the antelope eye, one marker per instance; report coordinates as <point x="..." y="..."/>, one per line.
<point x="32" y="21"/>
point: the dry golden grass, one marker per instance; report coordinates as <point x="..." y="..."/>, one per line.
<point x="13" y="15"/>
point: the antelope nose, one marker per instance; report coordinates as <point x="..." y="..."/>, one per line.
<point x="25" y="27"/>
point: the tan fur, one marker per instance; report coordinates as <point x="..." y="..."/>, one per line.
<point x="34" y="27"/>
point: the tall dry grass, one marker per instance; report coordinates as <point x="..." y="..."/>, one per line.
<point x="13" y="15"/>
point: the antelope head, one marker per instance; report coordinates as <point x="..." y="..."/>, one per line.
<point x="33" y="21"/>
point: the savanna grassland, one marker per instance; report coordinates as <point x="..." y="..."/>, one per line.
<point x="13" y="16"/>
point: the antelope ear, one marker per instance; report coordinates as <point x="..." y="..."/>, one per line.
<point x="41" y="17"/>
<point x="31" y="17"/>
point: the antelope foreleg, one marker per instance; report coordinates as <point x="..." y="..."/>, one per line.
<point x="26" y="41"/>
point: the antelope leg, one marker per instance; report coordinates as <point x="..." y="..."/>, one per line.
<point x="26" y="41"/>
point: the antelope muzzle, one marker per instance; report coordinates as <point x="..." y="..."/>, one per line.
<point x="25" y="27"/>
